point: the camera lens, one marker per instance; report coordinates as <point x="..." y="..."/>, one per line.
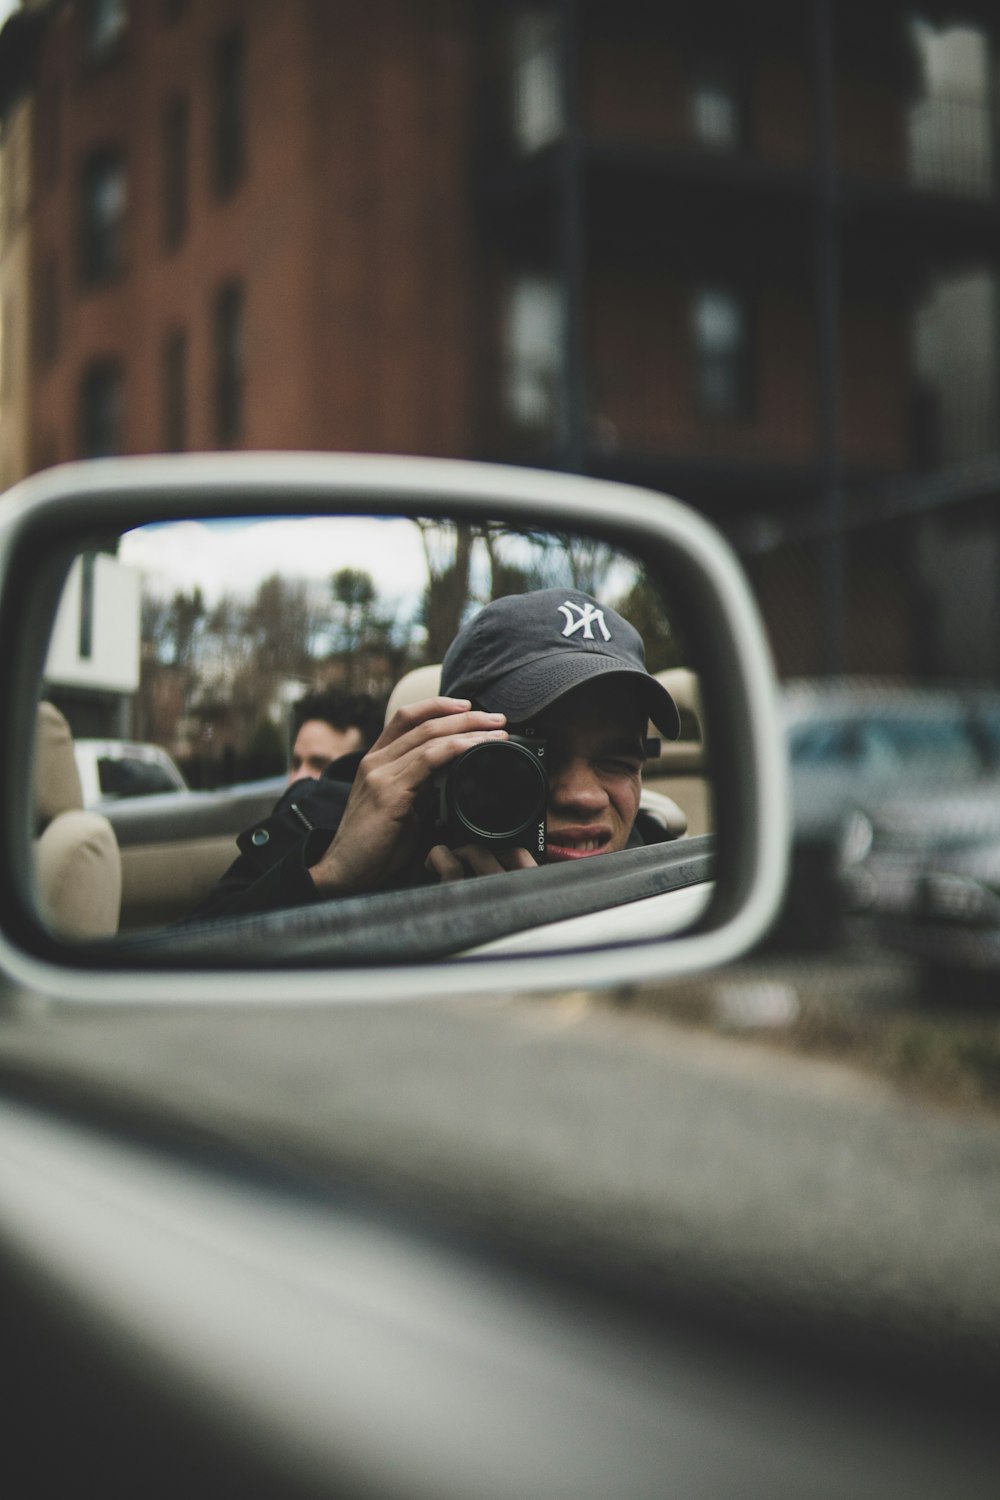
<point x="497" y="790"/>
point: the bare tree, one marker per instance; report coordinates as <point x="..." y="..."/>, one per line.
<point x="645" y="607"/>
<point x="448" y="553"/>
<point x="280" y="624"/>
<point x="545" y="559"/>
<point x="354" y="598"/>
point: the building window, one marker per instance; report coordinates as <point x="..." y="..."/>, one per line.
<point x="104" y="23"/>
<point x="101" y="410"/>
<point x="175" y="172"/>
<point x="956" y="352"/>
<point x="175" y="393"/>
<point x="722" y="354"/>
<point x="229" y="366"/>
<point x="716" y="107"/>
<point x="537" y="98"/>
<point x="533" y="340"/>
<point x="953" y="142"/>
<point x="102" y="216"/>
<point x="229" y="105"/>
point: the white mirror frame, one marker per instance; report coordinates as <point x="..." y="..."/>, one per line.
<point x="49" y="512"/>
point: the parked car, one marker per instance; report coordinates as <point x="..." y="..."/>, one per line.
<point x="111" y="770"/>
<point x="930" y="879"/>
<point x="853" y="744"/>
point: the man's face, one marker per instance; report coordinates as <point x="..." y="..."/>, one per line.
<point x="596" y="748"/>
<point x="317" y="744"/>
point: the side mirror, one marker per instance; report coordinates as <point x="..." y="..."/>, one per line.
<point x="436" y="940"/>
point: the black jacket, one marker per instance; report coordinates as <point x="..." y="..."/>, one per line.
<point x="271" y="871"/>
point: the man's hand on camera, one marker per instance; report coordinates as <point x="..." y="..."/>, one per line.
<point x="476" y="859"/>
<point x="379" y="830"/>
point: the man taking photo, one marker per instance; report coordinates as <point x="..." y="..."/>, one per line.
<point x="553" y="666"/>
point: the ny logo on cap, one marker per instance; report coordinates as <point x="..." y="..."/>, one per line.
<point x="587" y="615"/>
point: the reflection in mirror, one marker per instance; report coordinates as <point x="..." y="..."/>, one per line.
<point x="199" y="669"/>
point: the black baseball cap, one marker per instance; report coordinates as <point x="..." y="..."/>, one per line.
<point x="523" y="652"/>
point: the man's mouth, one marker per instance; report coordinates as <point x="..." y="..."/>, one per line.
<point x="576" y="844"/>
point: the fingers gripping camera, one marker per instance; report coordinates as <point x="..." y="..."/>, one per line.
<point x="495" y="794"/>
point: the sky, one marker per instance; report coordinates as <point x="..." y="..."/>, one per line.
<point x="233" y="557"/>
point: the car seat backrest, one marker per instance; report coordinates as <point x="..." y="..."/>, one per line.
<point x="680" y="771"/>
<point x="78" y="867"/>
<point x="57" y="780"/>
<point x="687" y="752"/>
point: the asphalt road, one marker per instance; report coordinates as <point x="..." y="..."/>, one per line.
<point x="700" y="1162"/>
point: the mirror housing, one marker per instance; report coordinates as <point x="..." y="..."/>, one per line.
<point x="46" y="519"/>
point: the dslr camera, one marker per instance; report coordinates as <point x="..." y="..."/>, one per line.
<point x="495" y="794"/>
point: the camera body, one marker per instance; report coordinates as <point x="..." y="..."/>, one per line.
<point x="495" y="794"/>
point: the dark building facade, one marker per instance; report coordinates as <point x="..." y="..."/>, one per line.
<point x="724" y="250"/>
<point x="744" y="225"/>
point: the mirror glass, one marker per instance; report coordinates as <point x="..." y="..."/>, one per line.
<point x="197" y="668"/>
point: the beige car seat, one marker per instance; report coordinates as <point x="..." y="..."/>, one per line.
<point x="680" y="773"/>
<point x="78" y="867"/>
<point x="425" y="682"/>
<point x="422" y="682"/>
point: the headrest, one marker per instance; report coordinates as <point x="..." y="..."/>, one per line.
<point x="422" y="682"/>
<point x="685" y="755"/>
<point x="683" y="686"/>
<point x="57" y="780"/>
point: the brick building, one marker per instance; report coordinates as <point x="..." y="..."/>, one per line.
<point x="717" y="249"/>
<point x="214" y="266"/>
<point x="748" y="229"/>
<point x="16" y="137"/>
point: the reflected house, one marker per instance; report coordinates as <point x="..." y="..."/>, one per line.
<point x="742" y="253"/>
<point x="92" y="668"/>
<point x="159" y="705"/>
<point x="372" y="670"/>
